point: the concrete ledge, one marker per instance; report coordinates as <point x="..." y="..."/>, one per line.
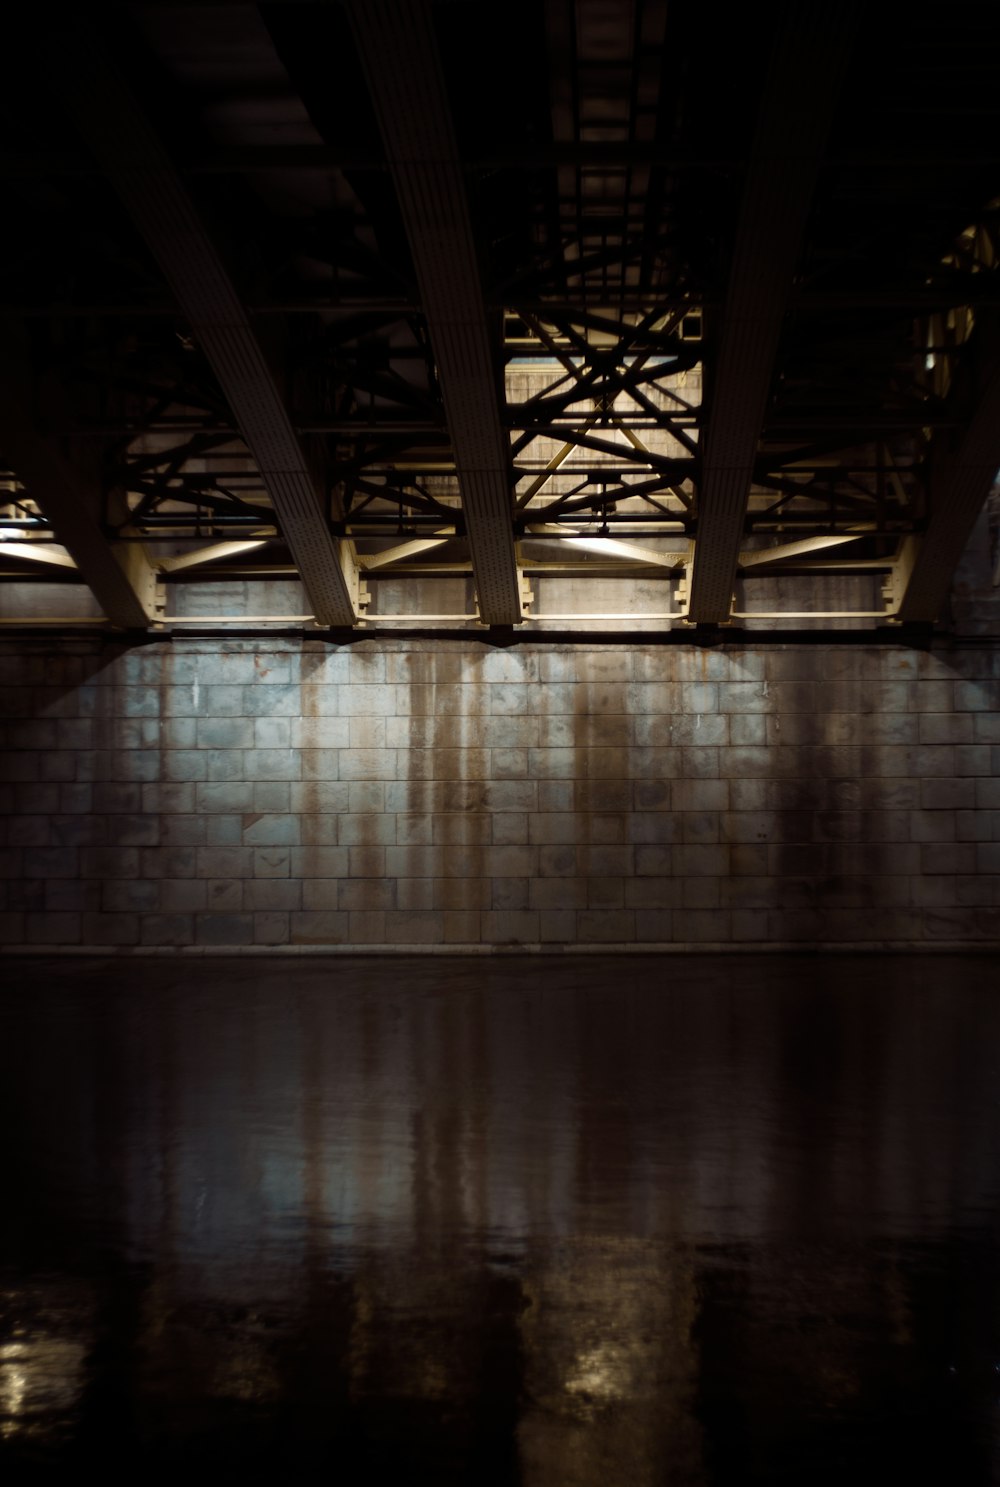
<point x="365" y="952"/>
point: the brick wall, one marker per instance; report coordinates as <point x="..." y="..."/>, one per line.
<point x="278" y="792"/>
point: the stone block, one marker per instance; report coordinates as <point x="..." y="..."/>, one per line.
<point x="462" y="927"/>
<point x="74" y="800"/>
<point x="360" y="894"/>
<point x="948" y="794"/>
<point x="367" y="764"/>
<point x="182" y="895"/>
<point x="311" y="733"/>
<point x="185" y="764"/>
<point x="167" y="929"/>
<point x="225" y="895"/>
<point x="117" y="799"/>
<point x="319" y="862"/>
<point x="604" y="893"/>
<point x="173" y="733"/>
<point x="36" y="799"/>
<point x="932" y="826"/>
<point x="986" y="728"/>
<point x="224" y="862"/>
<point x="225" y="797"/>
<point x="463" y="894"/>
<point x="281" y="700"/>
<point x="974" y="759"/>
<point x="224" y="733"/>
<point x="975" y="826"/>
<point x="366" y="733"/>
<point x="747" y="729"/>
<point x="322" y="797"/>
<point x="508" y="893"/>
<point x="463" y="828"/>
<point x="606" y="926"/>
<point x="65" y="896"/>
<point x="700" y="893"/>
<point x="962" y="924"/>
<point x="169" y="862"/>
<point x="133" y="831"/>
<point x="510" y="795"/>
<point x="509" y="927"/>
<point x="703" y="926"/>
<point x="745" y="763"/>
<point x="366" y="862"/>
<point x="556" y="862"/>
<point x="700" y="861"/>
<point x="653" y="893"/>
<point x="557" y="926"/>
<point x="988" y="794"/>
<point x="323" y="927"/>
<point x="271" y="862"/>
<point x="494" y="731"/>
<point x="270" y="831"/>
<point x="945" y="728"/>
<point x="700" y="795"/>
<point x="272" y="797"/>
<point x="35" y="831"/>
<point x="165" y="799"/>
<point x="224" y="929"/>
<point x="987" y="857"/>
<point x="109" y="862"/>
<point x="370" y="699"/>
<point x="226" y="764"/>
<point x="954" y="857"/>
<point x="267" y="894"/>
<point x="506" y="764"/>
<point x="270" y="928"/>
<point x="41" y="928"/>
<point x="110" y="929"/>
<point x="223" y="831"/>
<point x="557" y="893"/>
<point x="58" y="767"/>
<point x="414" y="927"/>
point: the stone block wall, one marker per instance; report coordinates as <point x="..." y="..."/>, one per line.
<point x="407" y="793"/>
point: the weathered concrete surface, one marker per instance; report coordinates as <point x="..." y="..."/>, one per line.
<point x="239" y="793"/>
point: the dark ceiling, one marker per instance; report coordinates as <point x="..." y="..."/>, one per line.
<point x="553" y="292"/>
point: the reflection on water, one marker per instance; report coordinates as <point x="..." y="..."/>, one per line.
<point x="572" y="1222"/>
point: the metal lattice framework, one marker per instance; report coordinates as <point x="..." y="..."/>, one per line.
<point x="610" y="321"/>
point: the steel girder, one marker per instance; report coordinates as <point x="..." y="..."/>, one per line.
<point x="796" y="111"/>
<point x="133" y="158"/>
<point x="398" y="53"/>
<point x="121" y="579"/>
<point x="960" y="480"/>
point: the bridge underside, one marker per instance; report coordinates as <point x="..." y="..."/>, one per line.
<point x="612" y="323"/>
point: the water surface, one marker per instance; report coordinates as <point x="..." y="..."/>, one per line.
<point x="712" y="1220"/>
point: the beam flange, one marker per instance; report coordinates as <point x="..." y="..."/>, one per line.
<point x="960" y="481"/>
<point x="799" y="96"/>
<point x="399" y="56"/>
<point x="120" y="579"/>
<point x="132" y="156"/>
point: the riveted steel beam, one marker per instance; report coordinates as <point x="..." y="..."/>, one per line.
<point x="799" y="95"/>
<point x="960" y="480"/>
<point x="399" y="56"/>
<point x="120" y="578"/>
<point x="132" y="156"/>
